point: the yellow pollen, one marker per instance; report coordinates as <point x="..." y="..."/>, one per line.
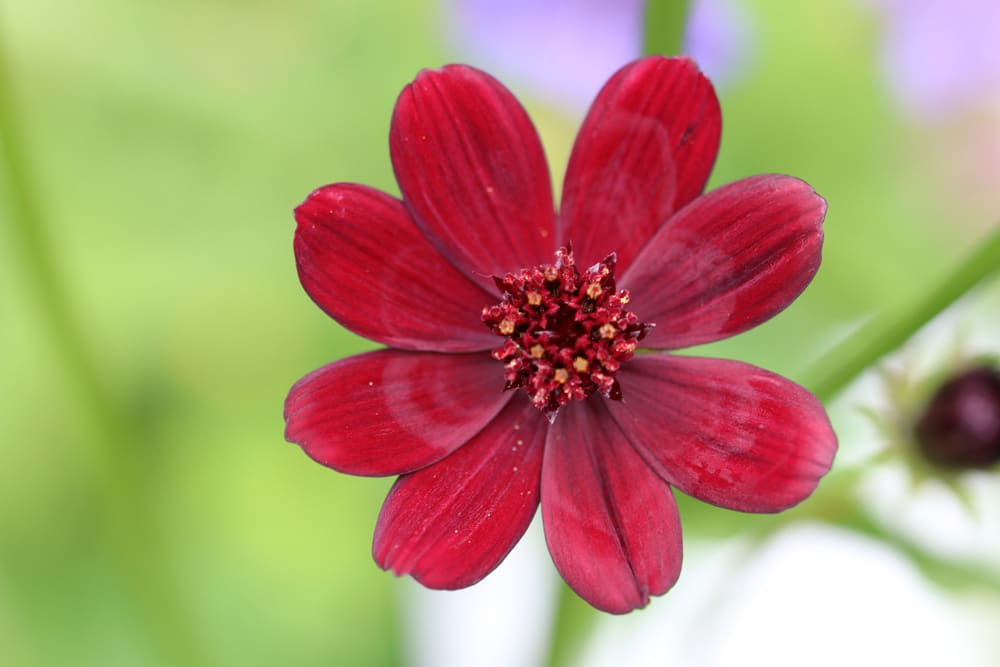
<point x="581" y="365"/>
<point x="608" y="331"/>
<point x="561" y="375"/>
<point x="624" y="298"/>
<point x="593" y="290"/>
<point x="537" y="350"/>
<point x="534" y="298"/>
<point x="506" y="327"/>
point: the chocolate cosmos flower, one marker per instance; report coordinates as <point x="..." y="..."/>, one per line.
<point x="511" y="377"/>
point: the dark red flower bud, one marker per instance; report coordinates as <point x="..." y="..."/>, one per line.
<point x="960" y="427"/>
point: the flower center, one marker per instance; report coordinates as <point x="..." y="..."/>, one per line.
<point x="566" y="334"/>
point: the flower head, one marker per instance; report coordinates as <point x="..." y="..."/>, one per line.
<point x="511" y="376"/>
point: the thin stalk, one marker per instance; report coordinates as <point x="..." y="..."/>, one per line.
<point x="573" y="622"/>
<point x="663" y="28"/>
<point x="835" y="503"/>
<point x="888" y="331"/>
<point x="133" y="540"/>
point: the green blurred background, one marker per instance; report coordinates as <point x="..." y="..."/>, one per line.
<point x="146" y="492"/>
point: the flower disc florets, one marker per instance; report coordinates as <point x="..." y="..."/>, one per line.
<point x="565" y="334"/>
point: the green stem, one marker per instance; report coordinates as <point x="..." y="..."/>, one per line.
<point x="966" y="577"/>
<point x="835" y="503"/>
<point x="664" y="24"/>
<point x="32" y="244"/>
<point x="573" y="621"/>
<point x="134" y="543"/>
<point x="886" y="332"/>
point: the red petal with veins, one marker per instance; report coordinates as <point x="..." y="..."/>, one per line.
<point x="391" y="412"/>
<point x="611" y="522"/>
<point x="471" y="169"/>
<point x="645" y="150"/>
<point x="725" y="432"/>
<point x="450" y="524"/>
<point x="364" y="262"/>
<point x="727" y="262"/>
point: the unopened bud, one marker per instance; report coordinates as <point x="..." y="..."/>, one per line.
<point x="960" y="427"/>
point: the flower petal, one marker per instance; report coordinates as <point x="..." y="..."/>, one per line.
<point x="364" y="262"/>
<point x="730" y="260"/>
<point x="645" y="150"/>
<point x="611" y="522"/>
<point x="471" y="169"/>
<point x="390" y="412"/>
<point x="450" y="524"/>
<point x="725" y="432"/>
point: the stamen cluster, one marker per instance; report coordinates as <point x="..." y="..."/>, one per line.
<point x="565" y="334"/>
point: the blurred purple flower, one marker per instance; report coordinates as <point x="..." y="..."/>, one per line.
<point x="563" y="50"/>
<point x="719" y="38"/>
<point x="941" y="55"/>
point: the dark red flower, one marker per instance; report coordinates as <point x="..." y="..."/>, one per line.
<point x="511" y="376"/>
